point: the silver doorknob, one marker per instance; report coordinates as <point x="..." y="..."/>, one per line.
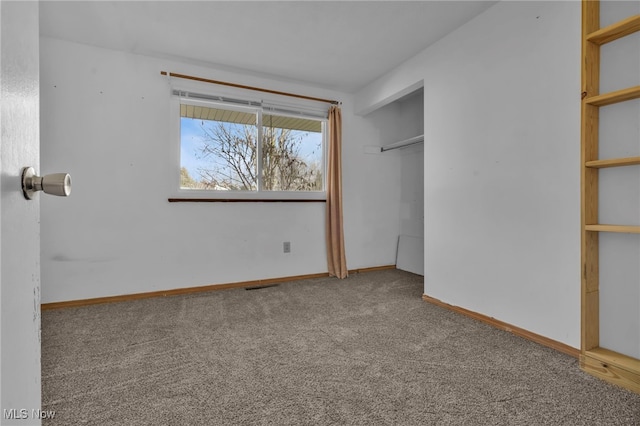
<point x="54" y="184"/>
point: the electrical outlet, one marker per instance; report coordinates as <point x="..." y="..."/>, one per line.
<point x="286" y="247"/>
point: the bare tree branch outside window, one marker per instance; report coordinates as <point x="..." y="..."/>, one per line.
<point x="227" y="155"/>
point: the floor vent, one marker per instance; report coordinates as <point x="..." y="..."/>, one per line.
<point x="260" y="287"/>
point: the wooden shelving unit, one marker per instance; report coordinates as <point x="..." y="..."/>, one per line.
<point x="604" y="363"/>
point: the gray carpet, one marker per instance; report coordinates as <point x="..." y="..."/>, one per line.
<point x="363" y="351"/>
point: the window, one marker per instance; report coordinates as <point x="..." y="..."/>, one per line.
<point x="229" y="147"/>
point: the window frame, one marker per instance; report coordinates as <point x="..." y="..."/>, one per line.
<point x="260" y="107"/>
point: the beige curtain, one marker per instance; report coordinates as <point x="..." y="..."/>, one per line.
<point x="336" y="260"/>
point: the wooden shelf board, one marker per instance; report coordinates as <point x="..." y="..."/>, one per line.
<point x="615" y="31"/>
<point x="629" y="229"/>
<point x="613" y="367"/>
<point x="613" y="162"/>
<point x="623" y="361"/>
<point x="614" y="97"/>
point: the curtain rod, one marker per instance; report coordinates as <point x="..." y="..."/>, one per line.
<point x="259" y="89"/>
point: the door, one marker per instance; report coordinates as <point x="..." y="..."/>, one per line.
<point x="19" y="219"/>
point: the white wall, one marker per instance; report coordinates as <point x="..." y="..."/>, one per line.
<point x="105" y="120"/>
<point x="411" y="123"/>
<point x="501" y="164"/>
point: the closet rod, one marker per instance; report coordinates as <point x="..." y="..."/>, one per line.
<point x="241" y="86"/>
<point x="401" y="144"/>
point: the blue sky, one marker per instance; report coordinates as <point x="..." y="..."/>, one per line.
<point x="190" y="137"/>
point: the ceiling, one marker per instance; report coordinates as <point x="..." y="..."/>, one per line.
<point x="337" y="45"/>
